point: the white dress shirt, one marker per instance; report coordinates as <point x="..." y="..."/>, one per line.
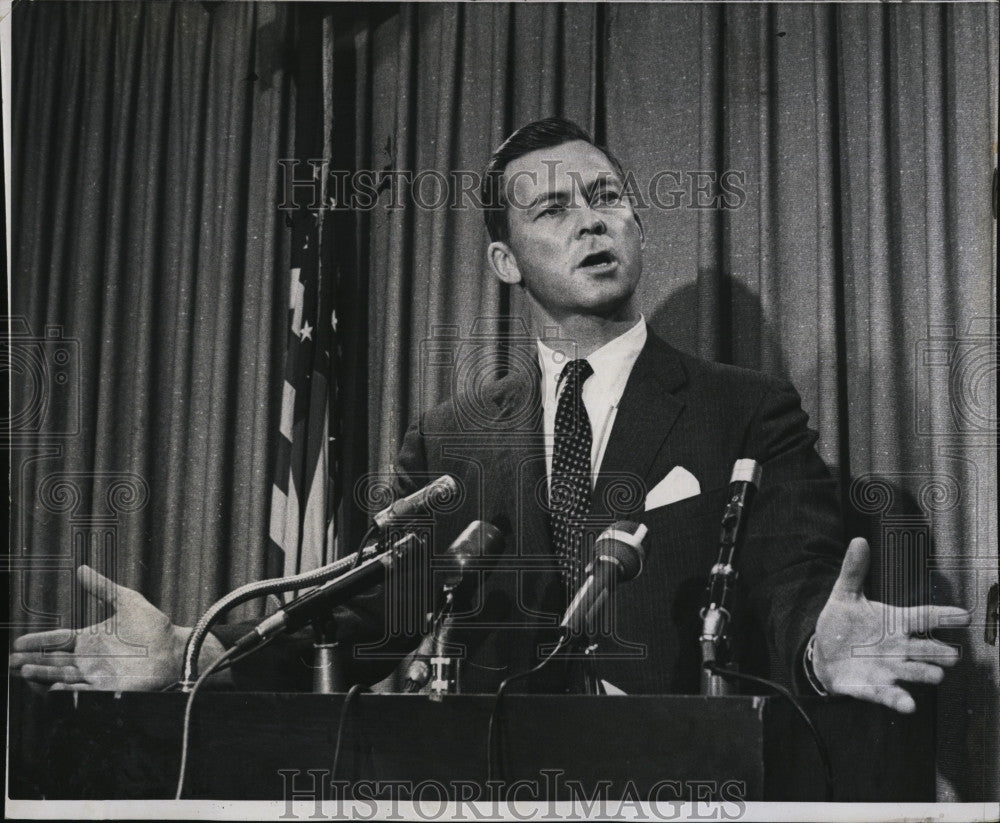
<point x="602" y="392"/>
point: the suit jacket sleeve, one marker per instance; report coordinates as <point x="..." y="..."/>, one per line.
<point x="795" y="544"/>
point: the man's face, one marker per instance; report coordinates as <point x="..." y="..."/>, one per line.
<point x="575" y="241"/>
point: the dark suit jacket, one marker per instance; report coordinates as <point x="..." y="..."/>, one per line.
<point x="676" y="410"/>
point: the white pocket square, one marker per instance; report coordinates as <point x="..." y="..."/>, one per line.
<point x="679" y="484"/>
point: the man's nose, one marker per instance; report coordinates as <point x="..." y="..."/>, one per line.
<point x="591" y="221"/>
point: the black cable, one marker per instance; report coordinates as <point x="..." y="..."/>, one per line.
<point x="352" y="693"/>
<point x="226" y="661"/>
<point x="824" y="753"/>
<point x="185" y="737"/>
<point x="492" y="751"/>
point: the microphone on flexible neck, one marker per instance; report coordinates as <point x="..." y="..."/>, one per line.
<point x="319" y="601"/>
<point x="443" y="488"/>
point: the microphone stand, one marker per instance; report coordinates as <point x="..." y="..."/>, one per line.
<point x="715" y="616"/>
<point x="253" y="590"/>
<point x="591" y="682"/>
<point x="589" y="646"/>
<point x="712" y="684"/>
<point x="328" y="670"/>
<point x="445" y="670"/>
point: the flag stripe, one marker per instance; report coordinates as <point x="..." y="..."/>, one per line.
<point x="287" y="411"/>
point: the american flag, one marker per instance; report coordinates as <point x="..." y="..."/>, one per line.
<point x="304" y="497"/>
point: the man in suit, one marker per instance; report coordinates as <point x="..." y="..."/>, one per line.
<point x="563" y="230"/>
<point x="606" y="421"/>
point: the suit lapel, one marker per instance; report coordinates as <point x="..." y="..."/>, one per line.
<point x="521" y="456"/>
<point x="646" y="414"/>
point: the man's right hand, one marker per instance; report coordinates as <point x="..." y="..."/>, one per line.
<point x="136" y="649"/>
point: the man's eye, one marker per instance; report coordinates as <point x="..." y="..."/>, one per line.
<point x="552" y="210"/>
<point x="609" y="198"/>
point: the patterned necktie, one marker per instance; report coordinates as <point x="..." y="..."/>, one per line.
<point x="569" y="494"/>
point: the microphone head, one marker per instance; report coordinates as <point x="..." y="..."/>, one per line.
<point x="622" y="542"/>
<point x="435" y="496"/>
<point x="746" y="470"/>
<point x="478" y="540"/>
<point x="441" y="490"/>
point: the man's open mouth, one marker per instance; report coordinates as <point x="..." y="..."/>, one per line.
<point x="598" y="258"/>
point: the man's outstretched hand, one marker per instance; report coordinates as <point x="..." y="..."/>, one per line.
<point x="136" y="649"/>
<point x="866" y="649"/>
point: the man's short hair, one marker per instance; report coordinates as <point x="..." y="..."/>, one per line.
<point x="541" y="134"/>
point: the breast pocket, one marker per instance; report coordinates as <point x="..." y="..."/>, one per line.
<point x="683" y="537"/>
<point x="688" y="512"/>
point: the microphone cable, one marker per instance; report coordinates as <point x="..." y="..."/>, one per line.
<point x="349" y="700"/>
<point x="226" y="661"/>
<point x="189" y="703"/>
<point x="494" y="760"/>
<point x="821" y="747"/>
<point x="371" y="531"/>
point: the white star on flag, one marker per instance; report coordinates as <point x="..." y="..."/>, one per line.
<point x="306" y="331"/>
<point x="333" y="320"/>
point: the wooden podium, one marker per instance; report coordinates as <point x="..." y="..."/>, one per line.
<point x="251" y="746"/>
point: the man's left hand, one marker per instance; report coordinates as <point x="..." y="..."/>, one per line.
<point x="866" y="649"/>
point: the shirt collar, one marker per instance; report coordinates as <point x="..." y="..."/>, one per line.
<point x="611" y="363"/>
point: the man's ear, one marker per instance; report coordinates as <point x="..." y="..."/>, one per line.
<point x="504" y="263"/>
<point x="642" y="230"/>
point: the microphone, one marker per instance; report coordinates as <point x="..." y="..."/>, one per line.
<point x="743" y="484"/>
<point x="478" y="540"/>
<point x="440" y="489"/>
<point x="715" y="616"/>
<point x="320" y="600"/>
<point x="618" y="557"/>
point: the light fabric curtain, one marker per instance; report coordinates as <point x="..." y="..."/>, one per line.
<point x="851" y="252"/>
<point x="150" y="260"/>
<point x="447" y="83"/>
<point x="850" y="249"/>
